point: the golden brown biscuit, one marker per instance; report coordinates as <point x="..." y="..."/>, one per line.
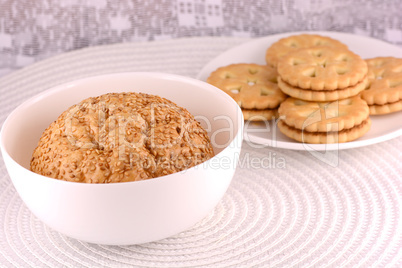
<point x="322" y="68"/>
<point x="322" y="95"/>
<point x="259" y="115"/>
<point x="324" y="122"/>
<point x="120" y="137"/>
<point x="252" y="86"/>
<point x="325" y="137"/>
<point x="384" y="90"/>
<point x="288" y="44"/>
<point x="386" y="108"/>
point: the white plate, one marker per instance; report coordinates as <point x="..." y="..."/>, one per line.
<point x="384" y="127"/>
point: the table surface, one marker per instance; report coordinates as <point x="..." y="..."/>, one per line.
<point x="284" y="208"/>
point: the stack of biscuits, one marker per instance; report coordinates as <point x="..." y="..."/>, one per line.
<point x="323" y="79"/>
<point x="321" y="91"/>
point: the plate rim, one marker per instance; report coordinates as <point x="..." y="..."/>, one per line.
<point x="299" y="145"/>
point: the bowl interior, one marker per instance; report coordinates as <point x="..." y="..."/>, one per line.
<point x="214" y="109"/>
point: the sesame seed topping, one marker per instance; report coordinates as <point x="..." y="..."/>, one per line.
<point x="129" y="136"/>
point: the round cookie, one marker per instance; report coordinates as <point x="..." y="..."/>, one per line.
<point x="252" y="86"/>
<point x="288" y="44"/>
<point x="322" y="95"/>
<point x="322" y="68"/>
<point x="120" y="137"/>
<point x="383" y="93"/>
<point x="324" y="122"/>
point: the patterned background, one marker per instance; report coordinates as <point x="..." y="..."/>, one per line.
<point x="31" y="30"/>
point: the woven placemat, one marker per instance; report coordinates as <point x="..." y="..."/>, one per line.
<point x="283" y="209"/>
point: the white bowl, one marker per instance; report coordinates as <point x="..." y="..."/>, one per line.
<point x="130" y="212"/>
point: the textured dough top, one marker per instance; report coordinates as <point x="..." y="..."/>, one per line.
<point x="324" y="116"/>
<point x="322" y="68"/>
<point x="291" y="43"/>
<point x="120" y="137"/>
<point x="385" y="81"/>
<point x="252" y="86"/>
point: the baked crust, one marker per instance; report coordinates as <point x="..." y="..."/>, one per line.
<point x="386" y="108"/>
<point x="325" y="137"/>
<point x="384" y="89"/>
<point x="322" y="68"/>
<point x="324" y="116"/>
<point x="322" y="95"/>
<point x="119" y="137"/>
<point x="252" y="86"/>
<point x="288" y="44"/>
<point x="259" y="115"/>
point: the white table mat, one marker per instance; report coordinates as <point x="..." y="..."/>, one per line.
<point x="283" y="209"/>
